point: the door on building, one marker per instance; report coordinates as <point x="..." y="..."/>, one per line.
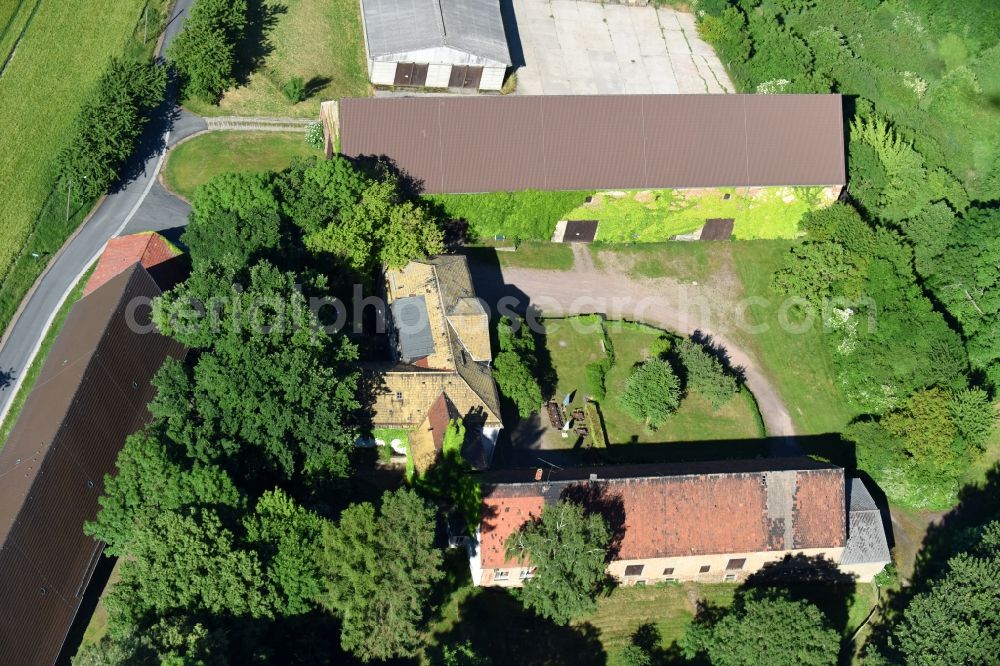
<point x="465" y="76"/>
<point x="410" y="74"/>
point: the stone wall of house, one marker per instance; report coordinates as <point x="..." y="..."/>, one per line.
<point x="690" y="568"/>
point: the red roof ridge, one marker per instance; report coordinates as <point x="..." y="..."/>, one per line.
<point x="148" y="248"/>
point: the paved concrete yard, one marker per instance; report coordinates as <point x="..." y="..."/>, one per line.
<point x="585" y="48"/>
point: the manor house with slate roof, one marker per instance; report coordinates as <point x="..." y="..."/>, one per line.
<point x="440" y="338"/>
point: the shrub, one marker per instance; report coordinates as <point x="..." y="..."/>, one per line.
<point x="596" y="374"/>
<point x="593" y="412"/>
<point x="514" y="367"/>
<point x="295" y="90"/>
<point x="527" y="215"/>
<point x="314" y="135"/>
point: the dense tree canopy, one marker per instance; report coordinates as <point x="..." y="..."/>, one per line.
<point x="955" y="619"/>
<point x="205" y="51"/>
<point x="379" y="565"/>
<point x="764" y="627"/>
<point x="252" y="431"/>
<point x="108" y="125"/>
<point x="568" y="547"/>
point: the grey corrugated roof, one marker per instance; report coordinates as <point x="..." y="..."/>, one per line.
<point x="866" y="540"/>
<point x="508" y="143"/>
<point x="413" y="325"/>
<point x="396" y="27"/>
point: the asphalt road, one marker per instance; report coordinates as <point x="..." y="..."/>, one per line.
<point x="137" y="204"/>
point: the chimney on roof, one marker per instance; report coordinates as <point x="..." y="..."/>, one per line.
<point x="538" y="474"/>
<point x="593" y="478"/>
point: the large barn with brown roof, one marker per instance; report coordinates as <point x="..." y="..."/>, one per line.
<point x="601" y="142"/>
<point x="710" y="522"/>
<point x="90" y="395"/>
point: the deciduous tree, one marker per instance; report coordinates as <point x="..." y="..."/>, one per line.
<point x="204" y="52"/>
<point x="764" y="628"/>
<point x="379" y="566"/>
<point x="569" y="548"/>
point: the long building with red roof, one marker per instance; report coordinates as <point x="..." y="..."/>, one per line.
<point x="711" y="522"/>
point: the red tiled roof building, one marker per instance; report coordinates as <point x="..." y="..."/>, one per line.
<point x="699" y="521"/>
<point x="150" y="249"/>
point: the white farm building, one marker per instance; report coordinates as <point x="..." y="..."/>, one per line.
<point x="435" y="43"/>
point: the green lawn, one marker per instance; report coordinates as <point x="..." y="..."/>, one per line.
<point x="198" y="160"/>
<point x="61" y="53"/>
<point x="684" y="261"/>
<point x="539" y="254"/>
<point x="475" y="614"/>
<point x="573" y="343"/>
<point x="798" y="362"/>
<point x="656" y="215"/>
<point x="318" y="40"/>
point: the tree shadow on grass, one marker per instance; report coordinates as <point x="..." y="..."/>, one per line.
<point x="315" y="84"/>
<point x="499" y="627"/>
<point x="256" y="44"/>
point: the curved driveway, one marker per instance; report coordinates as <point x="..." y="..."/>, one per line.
<point x="665" y="304"/>
<point x="138" y="205"/>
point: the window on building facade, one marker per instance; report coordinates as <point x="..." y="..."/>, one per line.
<point x="669" y="571"/>
<point x="704" y="568"/>
<point x="633" y="570"/>
<point x="500" y="574"/>
<point x="527" y="573"/>
<point x="399" y="396"/>
<point x="736" y="565"/>
<point x="730" y="578"/>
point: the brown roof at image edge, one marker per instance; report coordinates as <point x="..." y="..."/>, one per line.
<point x="487" y="144"/>
<point x="90" y="395"/>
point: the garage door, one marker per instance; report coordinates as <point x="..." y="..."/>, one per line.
<point x="410" y="74"/>
<point x="465" y="76"/>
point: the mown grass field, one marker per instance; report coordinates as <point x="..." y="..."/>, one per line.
<point x="55" y="64"/>
<point x="203" y="157"/>
<point x="318" y="40"/>
<point x="796" y="357"/>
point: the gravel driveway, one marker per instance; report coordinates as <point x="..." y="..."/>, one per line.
<point x="664" y="303"/>
<point x="586" y="48"/>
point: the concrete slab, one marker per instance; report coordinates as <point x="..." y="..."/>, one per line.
<point x="676" y="41"/>
<point x="580" y="47"/>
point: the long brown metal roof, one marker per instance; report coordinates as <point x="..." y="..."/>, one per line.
<point x="554" y="142"/>
<point x="90" y="395"/>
